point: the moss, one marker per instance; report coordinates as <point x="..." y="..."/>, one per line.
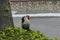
<point x="6" y="8"/>
<point x="9" y="1"/>
<point x="5" y="14"/>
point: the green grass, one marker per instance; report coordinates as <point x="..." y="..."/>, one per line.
<point x="14" y="33"/>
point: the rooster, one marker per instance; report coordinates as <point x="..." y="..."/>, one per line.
<point x="26" y="22"/>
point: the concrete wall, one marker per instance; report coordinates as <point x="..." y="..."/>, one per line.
<point x="36" y="6"/>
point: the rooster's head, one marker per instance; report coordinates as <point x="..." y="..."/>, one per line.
<point x="28" y="17"/>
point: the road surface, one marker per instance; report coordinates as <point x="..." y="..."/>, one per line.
<point x="48" y="25"/>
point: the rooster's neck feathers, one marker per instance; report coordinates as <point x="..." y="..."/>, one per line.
<point x="26" y="21"/>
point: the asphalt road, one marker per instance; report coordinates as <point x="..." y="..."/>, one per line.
<point x="48" y="26"/>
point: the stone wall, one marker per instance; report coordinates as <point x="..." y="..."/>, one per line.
<point x="36" y="6"/>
